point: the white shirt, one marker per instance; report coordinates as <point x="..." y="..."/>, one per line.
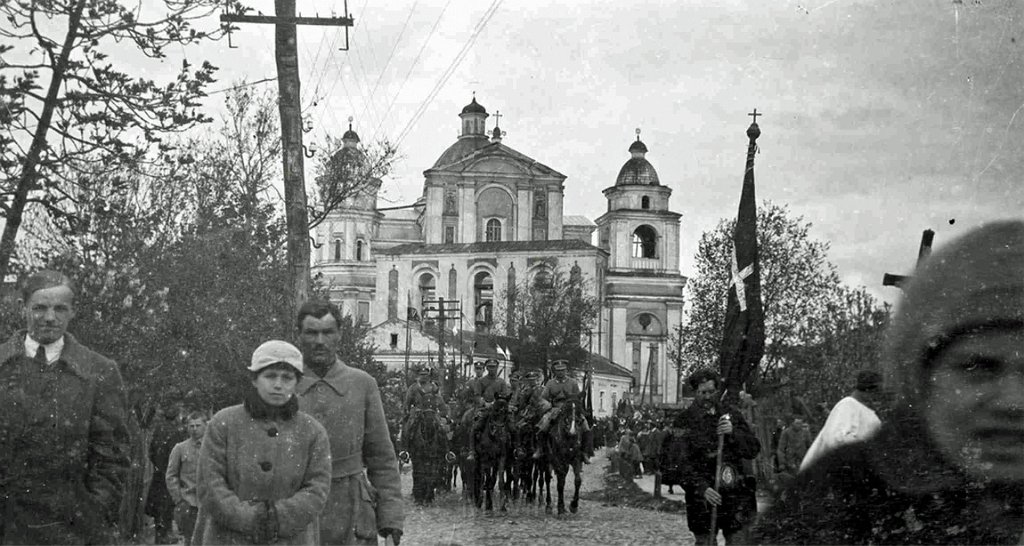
<point x="849" y="421"/>
<point x="53" y="350"/>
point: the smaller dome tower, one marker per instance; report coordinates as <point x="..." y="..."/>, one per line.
<point x="637" y="171"/>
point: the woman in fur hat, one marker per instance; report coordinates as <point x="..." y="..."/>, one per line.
<point x="947" y="465"/>
<point x="264" y="466"/>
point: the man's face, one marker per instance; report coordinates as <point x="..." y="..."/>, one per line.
<point x="318" y="339"/>
<point x="478" y="371"/>
<point x="706" y="394"/>
<point x="560" y="374"/>
<point x="424" y="378"/>
<point x="492" y="370"/>
<point x="799" y="424"/>
<point x="196" y="428"/>
<point x="975" y="410"/>
<point x="48" y="312"/>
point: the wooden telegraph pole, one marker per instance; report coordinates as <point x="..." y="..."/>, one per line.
<point x="292" y="149"/>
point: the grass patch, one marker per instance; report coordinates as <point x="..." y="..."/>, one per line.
<point x="619" y="491"/>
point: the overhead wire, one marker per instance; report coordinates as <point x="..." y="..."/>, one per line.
<point x="415" y="61"/>
<point x="391" y="55"/>
<point x="452" y="67"/>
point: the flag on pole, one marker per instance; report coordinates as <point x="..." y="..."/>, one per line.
<point x="743" y="335"/>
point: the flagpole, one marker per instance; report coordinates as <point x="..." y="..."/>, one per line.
<point x="408" y="333"/>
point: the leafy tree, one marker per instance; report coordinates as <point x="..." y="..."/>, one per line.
<point x="93" y="115"/>
<point x="345" y="175"/>
<point x="549" y="316"/>
<point x="797" y="284"/>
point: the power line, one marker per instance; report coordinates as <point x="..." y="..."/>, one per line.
<point x="240" y="86"/>
<point x="394" y="48"/>
<point x="415" y="61"/>
<point x="451" y="70"/>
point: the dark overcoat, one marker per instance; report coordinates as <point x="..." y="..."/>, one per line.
<point x="63" y="446"/>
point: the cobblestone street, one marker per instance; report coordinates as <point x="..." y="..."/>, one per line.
<point x="449" y="522"/>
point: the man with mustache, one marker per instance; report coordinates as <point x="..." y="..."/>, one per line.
<point x="366" y="497"/>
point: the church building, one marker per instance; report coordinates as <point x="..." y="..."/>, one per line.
<point x="491" y="217"/>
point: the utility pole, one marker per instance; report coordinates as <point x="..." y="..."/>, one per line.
<point x="292" y="149"/>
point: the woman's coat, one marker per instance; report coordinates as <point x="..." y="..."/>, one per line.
<point x="244" y="460"/>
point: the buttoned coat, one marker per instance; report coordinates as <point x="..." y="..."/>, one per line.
<point x="243" y="459"/>
<point x="366" y="488"/>
<point x="63" y="446"/>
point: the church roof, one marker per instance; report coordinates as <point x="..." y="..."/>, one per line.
<point x="575" y="220"/>
<point x="637" y="172"/>
<point x="461" y="149"/>
<point x="604" y="366"/>
<point x="460" y="157"/>
<point x="490" y="248"/>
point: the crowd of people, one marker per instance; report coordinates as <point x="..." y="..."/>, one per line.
<point x="306" y="457"/>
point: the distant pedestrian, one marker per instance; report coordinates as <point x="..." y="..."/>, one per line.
<point x="183" y="473"/>
<point x="264" y="466"/>
<point x="852" y="419"/>
<point x="629" y="456"/>
<point x="947" y="465"/>
<point x="794" y="441"/>
<point x="159" y="503"/>
<point x="64" y="449"/>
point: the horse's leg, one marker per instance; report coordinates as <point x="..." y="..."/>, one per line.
<point x="577" y="469"/>
<point x="547" y="486"/>
<point x="503" y="485"/>
<point x="563" y="472"/>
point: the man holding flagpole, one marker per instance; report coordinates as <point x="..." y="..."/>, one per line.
<point x="728" y="497"/>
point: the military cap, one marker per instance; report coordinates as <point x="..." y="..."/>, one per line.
<point x="533" y="374"/>
<point x="478" y="364"/>
<point x="491" y="362"/>
<point x="561" y="365"/>
<point x="424" y="371"/>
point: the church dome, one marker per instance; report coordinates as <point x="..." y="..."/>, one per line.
<point x="461" y="149"/>
<point x="350" y="135"/>
<point x="637" y="171"/>
<point x="474" y="107"/>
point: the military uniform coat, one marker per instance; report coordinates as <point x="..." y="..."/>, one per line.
<point x="63" y="446"/>
<point x="243" y="459"/>
<point x="366" y="491"/>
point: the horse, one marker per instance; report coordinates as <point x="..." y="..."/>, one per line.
<point x="528" y="472"/>
<point x="492" y="454"/>
<point x="565" y="451"/>
<point x="428" y="444"/>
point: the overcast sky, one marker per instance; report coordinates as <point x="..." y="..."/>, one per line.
<point x="881" y="118"/>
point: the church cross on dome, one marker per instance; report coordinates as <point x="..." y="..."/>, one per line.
<point x="497" y="118"/>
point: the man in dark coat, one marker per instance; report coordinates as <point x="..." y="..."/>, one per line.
<point x="159" y="503"/>
<point x="702" y="423"/>
<point x="947" y="464"/>
<point x="62" y="427"/>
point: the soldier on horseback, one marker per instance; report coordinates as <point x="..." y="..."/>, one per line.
<point x="423" y="397"/>
<point x="483" y="392"/>
<point x="557" y="391"/>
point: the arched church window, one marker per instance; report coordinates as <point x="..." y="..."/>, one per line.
<point x="337" y="250"/>
<point x="483" y="300"/>
<point x="645" y="241"/>
<point x="645" y="202"/>
<point x="360" y="251"/>
<point x="428" y="288"/>
<point x="493" y="230"/>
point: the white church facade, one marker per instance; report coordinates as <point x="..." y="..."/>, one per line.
<point x="490" y="217"/>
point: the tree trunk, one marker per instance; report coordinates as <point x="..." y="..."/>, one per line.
<point x="295" y="202"/>
<point x="29" y="172"/>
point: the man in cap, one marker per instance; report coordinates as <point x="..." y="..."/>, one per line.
<point x="530" y="404"/>
<point x="63" y="405"/>
<point x="557" y="391"/>
<point x="852" y="419"/>
<point x="424" y="395"/>
<point x="485" y="390"/>
<point x="347" y="402"/>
